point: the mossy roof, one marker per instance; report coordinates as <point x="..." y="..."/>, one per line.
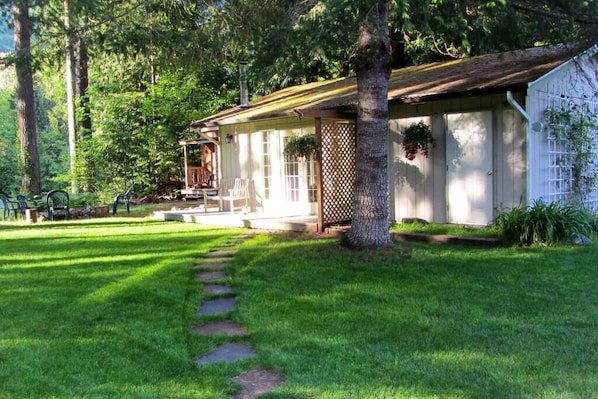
<point x="485" y="73"/>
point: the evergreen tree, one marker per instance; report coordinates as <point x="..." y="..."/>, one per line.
<point x="29" y="155"/>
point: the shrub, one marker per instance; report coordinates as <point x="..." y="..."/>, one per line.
<point x="543" y="223"/>
<point x="83" y="200"/>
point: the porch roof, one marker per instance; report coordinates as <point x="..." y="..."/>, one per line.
<point x="487" y="73"/>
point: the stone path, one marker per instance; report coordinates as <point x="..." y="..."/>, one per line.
<point x="212" y="272"/>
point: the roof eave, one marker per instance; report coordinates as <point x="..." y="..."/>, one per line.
<point x="216" y="124"/>
<point x="409" y="100"/>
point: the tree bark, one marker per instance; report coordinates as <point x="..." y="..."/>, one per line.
<point x="82" y="84"/>
<point x="69" y="77"/>
<point x="77" y="81"/>
<point x="370" y="222"/>
<point x="29" y="153"/>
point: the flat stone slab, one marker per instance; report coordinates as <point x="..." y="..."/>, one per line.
<point x="212" y="266"/>
<point x="223" y="253"/>
<point x="217" y="289"/>
<point x="221" y="327"/>
<point x="217" y="306"/>
<point x="227" y="353"/>
<point x="257" y="381"/>
<point x="211" y="276"/>
<point x="217" y="260"/>
<point x="242" y="237"/>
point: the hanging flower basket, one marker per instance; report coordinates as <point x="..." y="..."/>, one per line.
<point x="417" y="138"/>
<point x="301" y="146"/>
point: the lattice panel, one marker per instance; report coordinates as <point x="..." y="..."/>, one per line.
<point x="561" y="176"/>
<point x="338" y="172"/>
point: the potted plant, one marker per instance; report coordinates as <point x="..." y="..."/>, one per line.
<point x="301" y="146"/>
<point x="417" y="138"/>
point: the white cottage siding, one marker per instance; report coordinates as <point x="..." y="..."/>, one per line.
<point x="412" y="181"/>
<point x="575" y="82"/>
<point x="467" y="97"/>
<point x="418" y="188"/>
<point x="244" y="158"/>
<point x="510" y="159"/>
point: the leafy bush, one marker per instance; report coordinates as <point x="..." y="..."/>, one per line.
<point x="543" y="223"/>
<point x="83" y="200"/>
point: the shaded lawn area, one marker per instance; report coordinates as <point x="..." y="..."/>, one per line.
<point x="103" y="309"/>
<point x="423" y="321"/>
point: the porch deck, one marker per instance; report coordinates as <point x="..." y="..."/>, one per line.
<point x="263" y="221"/>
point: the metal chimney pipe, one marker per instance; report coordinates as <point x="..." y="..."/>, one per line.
<point x="243" y="84"/>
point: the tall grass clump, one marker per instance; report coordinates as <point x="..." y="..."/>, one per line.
<point x="544" y="223"/>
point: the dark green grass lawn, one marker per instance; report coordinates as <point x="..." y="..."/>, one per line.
<point x="424" y="321"/>
<point x="103" y="309"/>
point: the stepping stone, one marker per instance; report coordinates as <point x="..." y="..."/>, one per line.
<point x="211" y="276"/>
<point x="217" y="306"/>
<point x="241" y="237"/>
<point x="218" y="260"/>
<point x="221" y="327"/>
<point x="221" y="253"/>
<point x="217" y="289"/>
<point x="212" y="266"/>
<point x="227" y="353"/>
<point x="257" y="381"/>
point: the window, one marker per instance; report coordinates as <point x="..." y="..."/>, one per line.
<point x="267" y="163"/>
<point x="292" y="177"/>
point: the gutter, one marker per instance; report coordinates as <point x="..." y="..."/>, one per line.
<point x="525" y="116"/>
<point x="516" y="105"/>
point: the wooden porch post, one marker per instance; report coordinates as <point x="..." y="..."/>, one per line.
<point x="319" y="180"/>
<point x="186" y="156"/>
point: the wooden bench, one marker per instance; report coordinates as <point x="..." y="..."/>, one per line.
<point x="232" y="190"/>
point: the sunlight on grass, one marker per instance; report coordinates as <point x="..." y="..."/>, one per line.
<point x="447" y="229"/>
<point x="116" y="288"/>
<point x="104" y="309"/>
<point x="423" y="321"/>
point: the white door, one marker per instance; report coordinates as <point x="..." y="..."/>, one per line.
<point x="469" y="168"/>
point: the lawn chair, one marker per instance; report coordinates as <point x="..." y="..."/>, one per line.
<point x="24" y="204"/>
<point x="58" y="203"/>
<point x="8" y="207"/>
<point x="232" y="190"/>
<point x="123" y="199"/>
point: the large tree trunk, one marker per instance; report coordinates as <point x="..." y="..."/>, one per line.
<point x="82" y="80"/>
<point x="78" y="115"/>
<point x="29" y="153"/>
<point x="84" y="128"/>
<point x="370" y="222"/>
<point x="69" y="77"/>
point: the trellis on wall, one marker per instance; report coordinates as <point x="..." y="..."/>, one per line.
<point x="337" y="172"/>
<point x="572" y="138"/>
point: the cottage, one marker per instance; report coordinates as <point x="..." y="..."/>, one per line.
<point x="492" y="120"/>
